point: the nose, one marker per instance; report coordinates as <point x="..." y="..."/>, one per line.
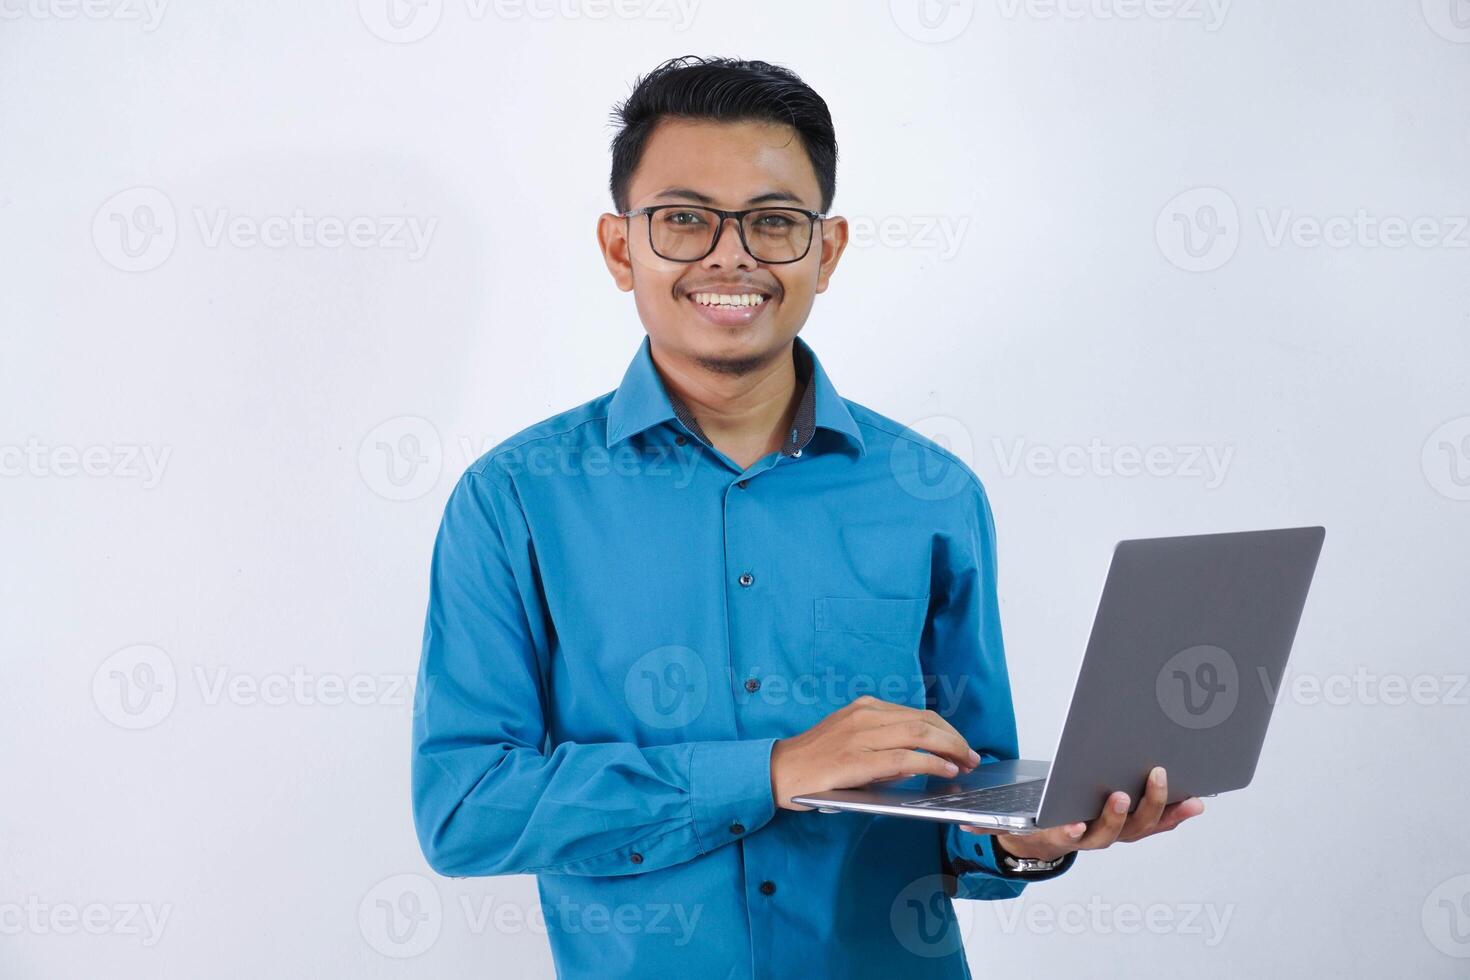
<point x="729" y="251"/>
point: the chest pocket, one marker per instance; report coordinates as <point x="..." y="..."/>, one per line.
<point x="869" y="646"/>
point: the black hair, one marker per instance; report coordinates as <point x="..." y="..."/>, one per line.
<point x="723" y="90"/>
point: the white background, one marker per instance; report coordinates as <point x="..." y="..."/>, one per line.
<point x="262" y="565"/>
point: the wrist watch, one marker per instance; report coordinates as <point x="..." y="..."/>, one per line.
<point x="1020" y="865"/>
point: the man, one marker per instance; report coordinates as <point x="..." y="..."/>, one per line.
<point x="656" y="617"/>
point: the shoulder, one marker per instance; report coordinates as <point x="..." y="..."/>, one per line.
<point x="930" y="456"/>
<point x="568" y="431"/>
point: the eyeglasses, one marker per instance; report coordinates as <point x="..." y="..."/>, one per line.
<point x="686" y="233"/>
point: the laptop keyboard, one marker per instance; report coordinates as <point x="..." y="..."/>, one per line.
<point x="1013" y="798"/>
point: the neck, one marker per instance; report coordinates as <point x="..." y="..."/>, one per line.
<point x="746" y="409"/>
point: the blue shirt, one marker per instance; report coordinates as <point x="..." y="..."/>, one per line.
<point x="622" y="621"/>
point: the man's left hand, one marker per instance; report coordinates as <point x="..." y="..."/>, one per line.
<point x="1114" y="824"/>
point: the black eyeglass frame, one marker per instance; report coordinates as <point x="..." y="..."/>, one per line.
<point x="812" y="218"/>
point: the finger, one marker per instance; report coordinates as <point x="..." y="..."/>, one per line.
<point x="868" y="702"/>
<point x="1150" y="808"/>
<point x="887" y="779"/>
<point x="884" y="713"/>
<point x="1104" y="831"/>
<point x="1067" y="834"/>
<point x="915" y="732"/>
<point x="894" y="762"/>
<point x="1176" y="813"/>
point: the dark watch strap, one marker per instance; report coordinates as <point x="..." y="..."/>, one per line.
<point x="1000" y="863"/>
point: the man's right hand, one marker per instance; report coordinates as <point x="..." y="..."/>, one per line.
<point x="869" y="740"/>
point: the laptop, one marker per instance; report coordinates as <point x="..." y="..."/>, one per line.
<point x="1188" y="645"/>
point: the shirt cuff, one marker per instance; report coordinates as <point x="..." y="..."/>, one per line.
<point x="979" y="850"/>
<point x="730" y="790"/>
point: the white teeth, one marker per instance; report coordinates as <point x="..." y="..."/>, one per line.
<point x="724" y="299"/>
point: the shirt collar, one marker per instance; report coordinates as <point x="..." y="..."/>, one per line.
<point x="642" y="401"/>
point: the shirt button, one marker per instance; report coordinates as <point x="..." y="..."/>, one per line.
<point x="679" y="440"/>
<point x="636" y="858"/>
<point x="746" y="578"/>
<point x="752" y="685"/>
<point x="768" y="888"/>
<point x="743" y="484"/>
<point x="737" y="828"/>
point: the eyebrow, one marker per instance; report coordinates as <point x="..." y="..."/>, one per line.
<point x="769" y="197"/>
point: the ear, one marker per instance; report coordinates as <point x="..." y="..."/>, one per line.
<point x="612" y="238"/>
<point x="834" y="243"/>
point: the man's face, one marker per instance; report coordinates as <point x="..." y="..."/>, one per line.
<point x="730" y="166"/>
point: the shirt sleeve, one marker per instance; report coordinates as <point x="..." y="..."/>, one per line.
<point x="967" y="683"/>
<point x="489" y="798"/>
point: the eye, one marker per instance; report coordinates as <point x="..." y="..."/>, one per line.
<point x="683" y="219"/>
<point x="774" y="221"/>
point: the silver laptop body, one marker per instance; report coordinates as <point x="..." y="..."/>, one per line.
<point x="1188" y="645"/>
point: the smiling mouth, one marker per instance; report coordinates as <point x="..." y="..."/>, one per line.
<point x="731" y="300"/>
